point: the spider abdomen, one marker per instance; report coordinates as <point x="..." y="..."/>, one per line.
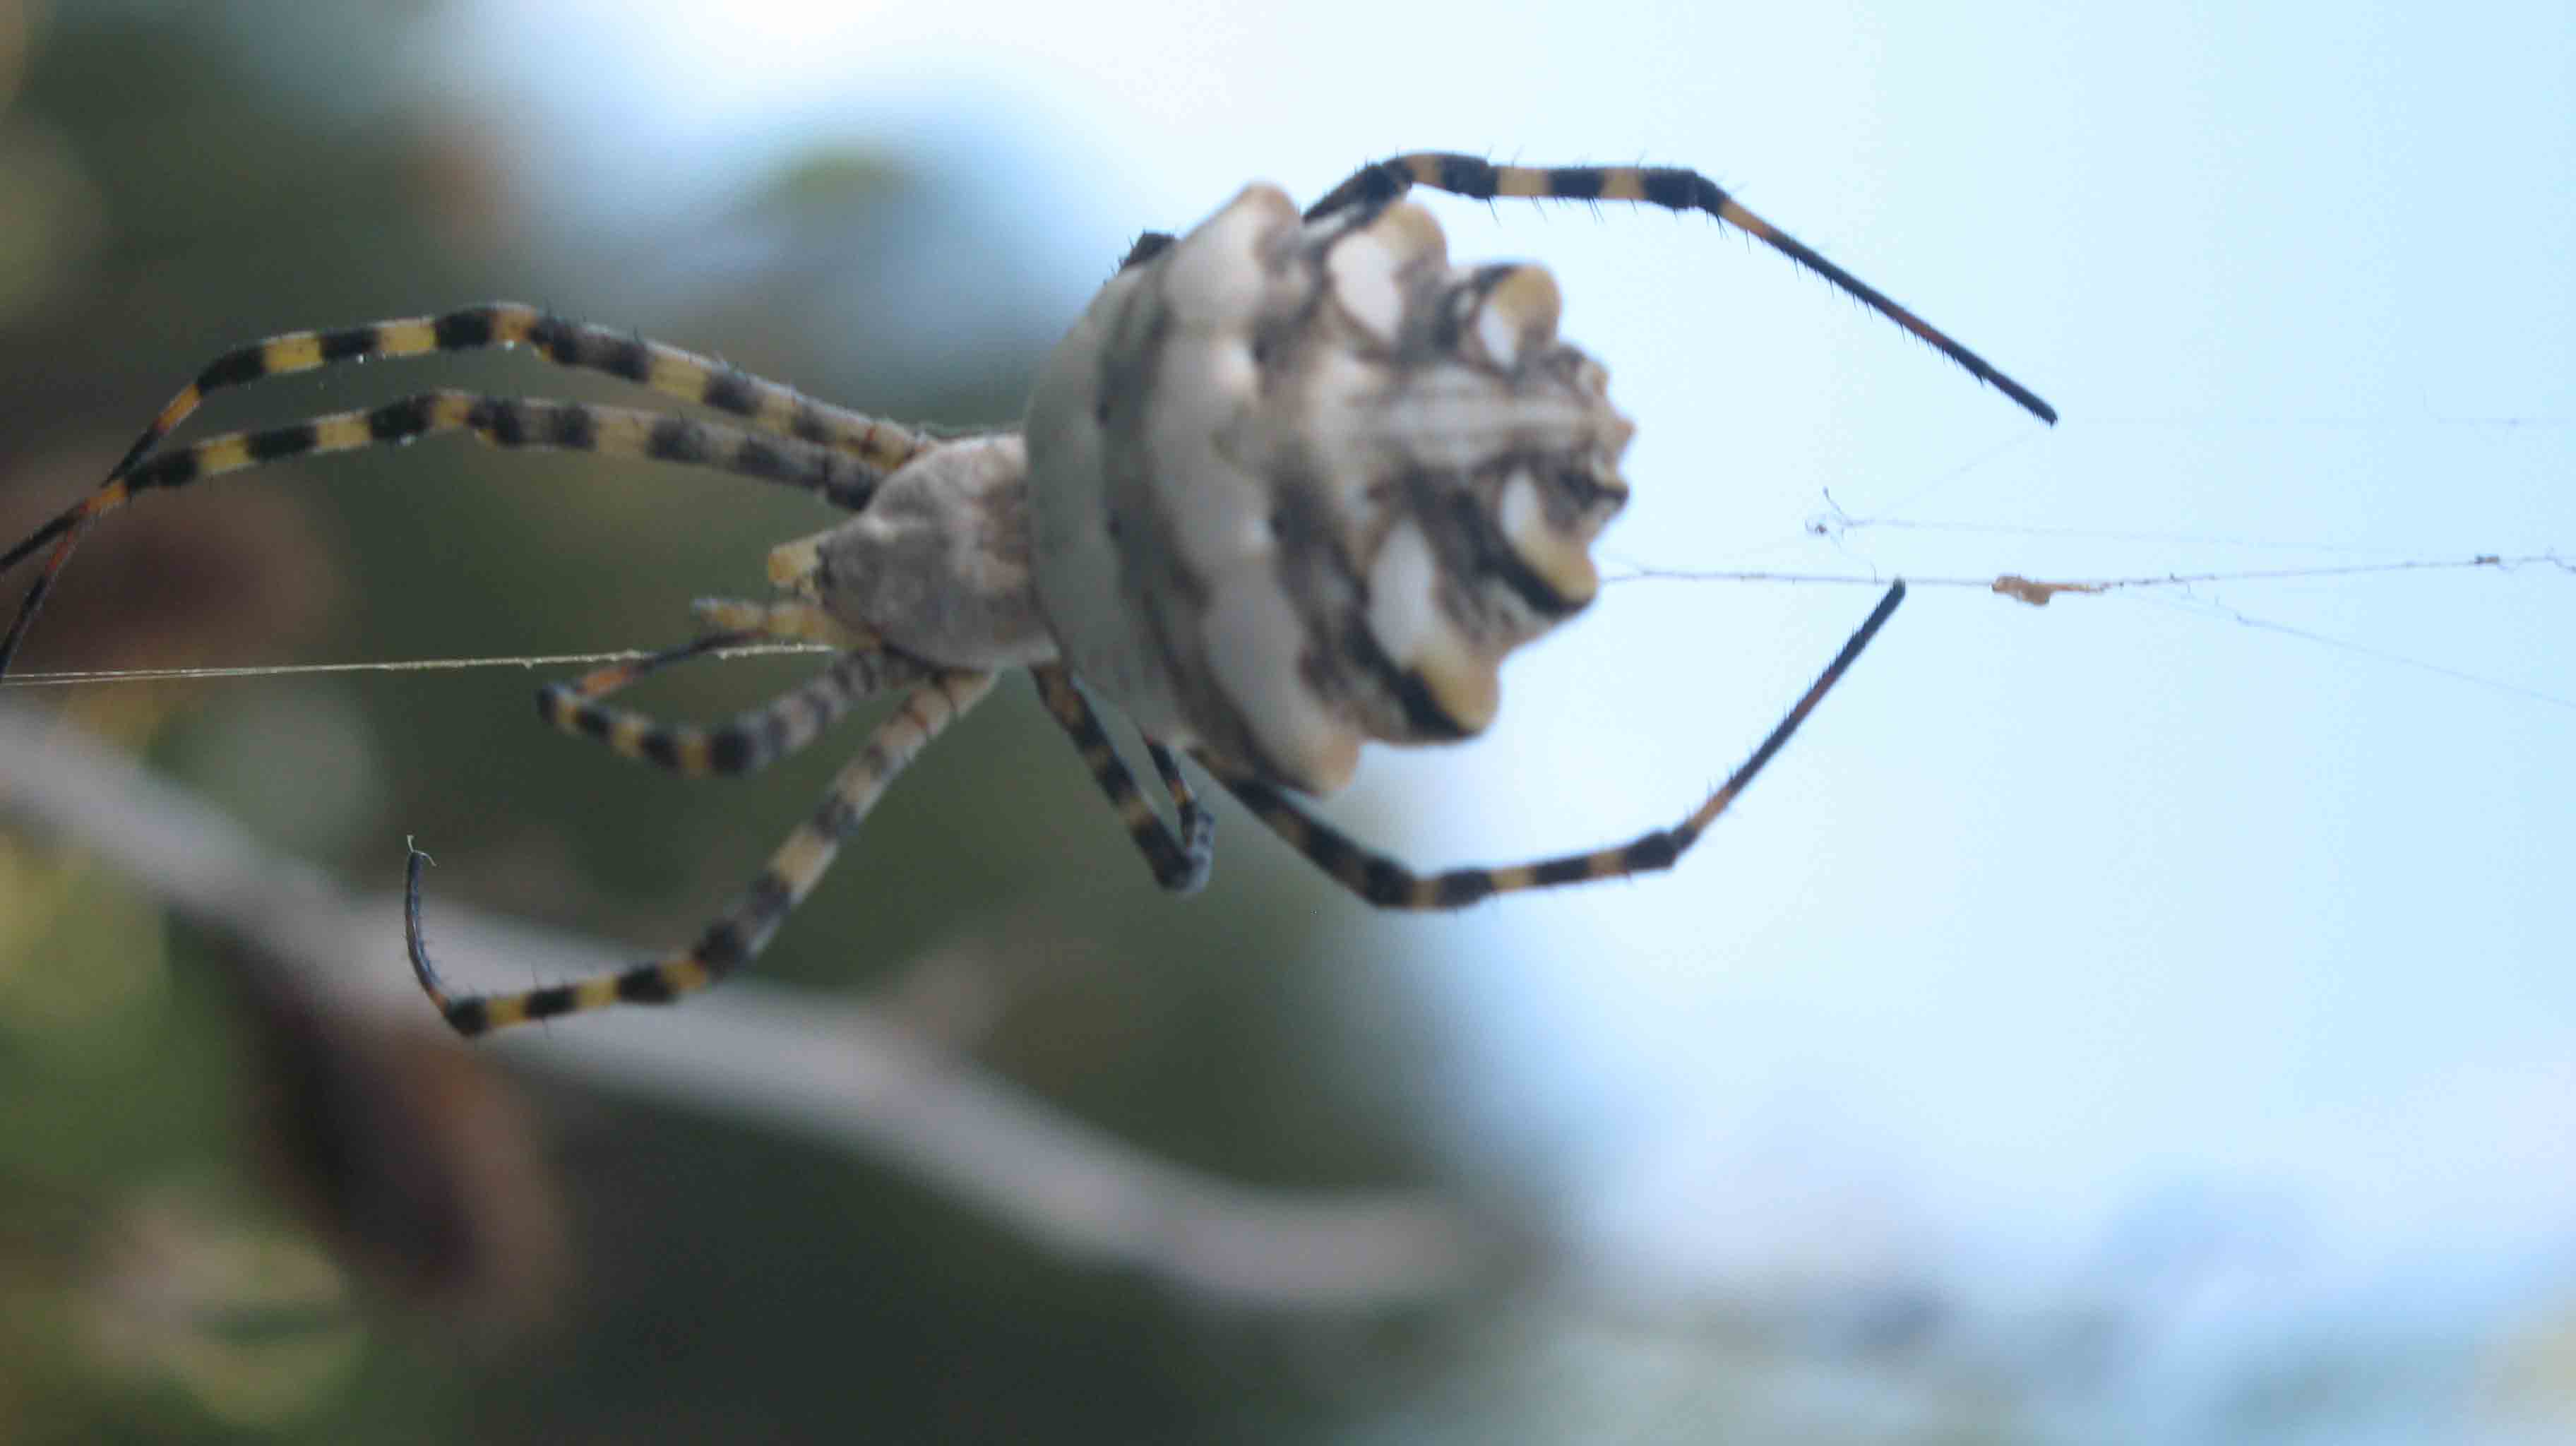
<point x="1299" y="485"/>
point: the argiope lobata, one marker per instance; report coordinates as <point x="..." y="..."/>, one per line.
<point x="1293" y="482"/>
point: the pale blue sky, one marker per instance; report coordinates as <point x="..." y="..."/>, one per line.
<point x="2048" y="912"/>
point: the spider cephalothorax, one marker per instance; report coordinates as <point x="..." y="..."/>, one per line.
<point x="1291" y="483"/>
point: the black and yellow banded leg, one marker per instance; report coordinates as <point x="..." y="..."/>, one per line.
<point x="68" y="534"/>
<point x="1198" y="826"/>
<point x="508" y="422"/>
<point x="618" y="676"/>
<point x="786" y="620"/>
<point x="1180" y="865"/>
<point x="740" y="747"/>
<point x="1390" y="885"/>
<point x="739" y="623"/>
<point x="1675" y="188"/>
<point x="765" y="406"/>
<point x="737" y="936"/>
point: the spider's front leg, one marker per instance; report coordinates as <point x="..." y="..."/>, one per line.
<point x="752" y="740"/>
<point x="737" y="936"/>
<point x="766" y="406"/>
<point x="1390" y="885"/>
<point x="509" y="423"/>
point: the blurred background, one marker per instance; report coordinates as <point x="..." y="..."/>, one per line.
<point x="2142" y="1018"/>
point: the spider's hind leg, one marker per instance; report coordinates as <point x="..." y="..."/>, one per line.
<point x="1675" y="188"/>
<point x="1390" y="885"/>
<point x="1180" y="865"/>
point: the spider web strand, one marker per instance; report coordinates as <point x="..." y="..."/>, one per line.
<point x="395" y="665"/>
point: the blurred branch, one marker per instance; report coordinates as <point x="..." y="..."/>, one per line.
<point x="833" y="1071"/>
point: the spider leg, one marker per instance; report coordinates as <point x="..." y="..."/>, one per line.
<point x="768" y="406"/>
<point x="793" y="620"/>
<point x="1675" y="188"/>
<point x="508" y="422"/>
<point x="70" y="528"/>
<point x="1179" y="865"/>
<point x="737" y="935"/>
<point x="1198" y="826"/>
<point x="739" y="624"/>
<point x="740" y="747"/>
<point x="1388" y="884"/>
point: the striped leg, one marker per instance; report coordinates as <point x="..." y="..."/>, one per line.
<point x="70" y="529"/>
<point x="766" y="406"/>
<point x="1390" y="885"/>
<point x="1198" y="826"/>
<point x="1672" y="187"/>
<point x="737" y="935"/>
<point x="791" y="620"/>
<point x="508" y="422"/>
<point x="735" y="749"/>
<point x="1179" y="865"/>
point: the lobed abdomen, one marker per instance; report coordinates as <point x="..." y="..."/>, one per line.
<point x="1296" y="486"/>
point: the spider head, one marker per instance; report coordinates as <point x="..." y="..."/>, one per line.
<point x="1297" y="485"/>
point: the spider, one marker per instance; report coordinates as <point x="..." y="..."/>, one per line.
<point x="1291" y="483"/>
